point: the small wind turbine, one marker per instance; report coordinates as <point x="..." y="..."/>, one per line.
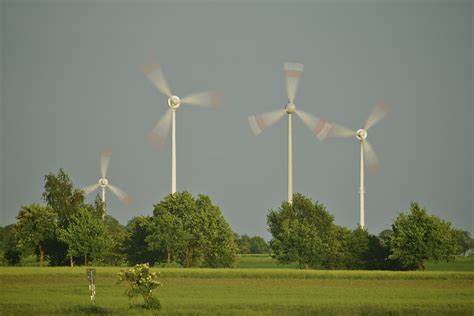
<point x="260" y="122"/>
<point x="367" y="153"/>
<point x="104" y="183"/>
<point x="158" y="134"/>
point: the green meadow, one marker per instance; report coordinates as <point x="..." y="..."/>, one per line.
<point x="460" y="264"/>
<point x="256" y="288"/>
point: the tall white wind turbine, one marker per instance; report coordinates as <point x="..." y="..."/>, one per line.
<point x="260" y="122"/>
<point x="368" y="158"/>
<point x="103" y="183"/>
<point x="157" y="136"/>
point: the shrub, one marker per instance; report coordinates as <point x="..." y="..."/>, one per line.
<point x="141" y="282"/>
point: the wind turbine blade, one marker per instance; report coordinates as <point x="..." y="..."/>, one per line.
<point x="293" y="72"/>
<point x="370" y="158"/>
<point x="380" y="110"/>
<point x="208" y="99"/>
<point x="104" y="161"/>
<point x="158" y="134"/>
<point x="341" y="131"/>
<point x="260" y="122"/>
<point x="321" y="128"/>
<point x="153" y="71"/>
<point x="123" y="197"/>
<point x="89" y="189"/>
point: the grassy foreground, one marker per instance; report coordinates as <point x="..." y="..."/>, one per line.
<point x="64" y="291"/>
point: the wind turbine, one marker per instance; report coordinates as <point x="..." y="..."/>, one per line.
<point x="104" y="183"/>
<point x="367" y="154"/>
<point x="260" y="122"/>
<point x="158" y="134"/>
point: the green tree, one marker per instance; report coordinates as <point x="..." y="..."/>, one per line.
<point x="118" y="234"/>
<point x="181" y="205"/>
<point x="206" y="237"/>
<point x="338" y="253"/>
<point x="9" y="254"/>
<point x="99" y="207"/>
<point x="379" y="252"/>
<point x="255" y="244"/>
<point x="167" y="236"/>
<point x="465" y="242"/>
<point x="60" y="194"/>
<point x="385" y="236"/>
<point x="377" y="255"/>
<point x="86" y="236"/>
<point x="137" y="249"/>
<point x="366" y="251"/>
<point x="218" y="246"/>
<point x="358" y="247"/>
<point x="419" y="236"/>
<point x="258" y="245"/>
<point x="36" y="224"/>
<point x="304" y="232"/>
<point x="243" y="243"/>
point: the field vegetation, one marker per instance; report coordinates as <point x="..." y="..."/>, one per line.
<point x="64" y="290"/>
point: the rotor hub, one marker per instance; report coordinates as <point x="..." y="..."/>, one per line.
<point x="361" y="134"/>
<point x="174" y="102"/>
<point x="103" y="182"/>
<point x="290" y="108"/>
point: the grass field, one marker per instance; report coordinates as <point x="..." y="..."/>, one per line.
<point x="460" y="264"/>
<point x="254" y="291"/>
<point x="49" y="291"/>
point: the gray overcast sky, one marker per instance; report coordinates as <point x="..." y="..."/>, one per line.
<point x="71" y="85"/>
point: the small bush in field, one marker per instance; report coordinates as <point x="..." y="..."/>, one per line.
<point x="141" y="282"/>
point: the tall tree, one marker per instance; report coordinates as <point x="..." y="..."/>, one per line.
<point x="218" y="246"/>
<point x="377" y="256"/>
<point x="60" y="194"/>
<point x="35" y="226"/>
<point x="338" y="253"/>
<point x="167" y="237"/>
<point x="205" y="237"/>
<point x="358" y="247"/>
<point x="182" y="206"/>
<point x="118" y="234"/>
<point x="137" y="249"/>
<point x="419" y="236"/>
<point x="303" y="232"/>
<point x="86" y="236"/>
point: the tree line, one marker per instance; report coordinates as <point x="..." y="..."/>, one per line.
<point x="192" y="232"/>
<point x="305" y="232"/>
